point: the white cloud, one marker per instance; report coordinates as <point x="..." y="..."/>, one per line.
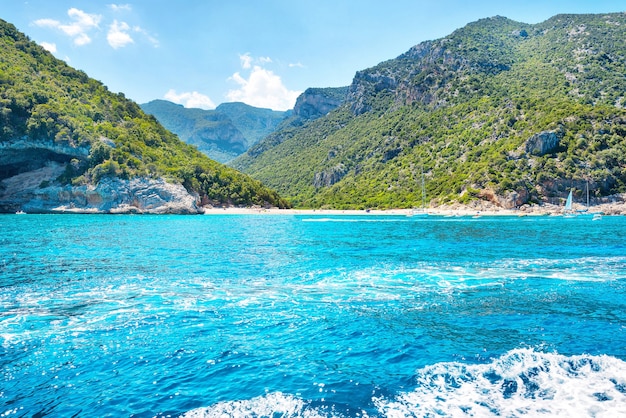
<point x="49" y="47"/>
<point x="118" y="36"/>
<point x="190" y="99"/>
<point x="154" y="41"/>
<point x="263" y="88"/>
<point x="121" y="7"/>
<point x="81" y="23"/>
<point x="296" y="64"/>
<point x="246" y="61"/>
<point x="47" y="23"/>
<point x="82" y="39"/>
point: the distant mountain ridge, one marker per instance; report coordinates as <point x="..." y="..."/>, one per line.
<point x="222" y="133"/>
<point x="499" y="111"/>
<point x="232" y="128"/>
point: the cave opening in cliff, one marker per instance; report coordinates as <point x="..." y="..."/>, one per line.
<point x="15" y="162"/>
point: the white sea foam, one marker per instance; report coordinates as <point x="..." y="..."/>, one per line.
<point x="521" y="383"/>
<point x="272" y="404"/>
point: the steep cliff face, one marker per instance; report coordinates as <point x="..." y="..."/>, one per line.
<point x="428" y="73"/>
<point x="318" y="102"/>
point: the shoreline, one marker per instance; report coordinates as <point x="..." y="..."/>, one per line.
<point x="616" y="207"/>
<point x="549" y="210"/>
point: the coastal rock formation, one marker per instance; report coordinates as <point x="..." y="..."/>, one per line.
<point x="31" y="193"/>
<point x="28" y="168"/>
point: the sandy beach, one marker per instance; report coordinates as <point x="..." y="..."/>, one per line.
<point x="617" y="207"/>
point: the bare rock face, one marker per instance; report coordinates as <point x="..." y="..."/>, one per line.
<point x="28" y="192"/>
<point x="315" y="103"/>
<point x="20" y="155"/>
<point x="543" y="143"/>
<point x="330" y="176"/>
<point x="513" y="199"/>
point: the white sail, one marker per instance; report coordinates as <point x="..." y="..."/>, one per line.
<point x="568" y="202"/>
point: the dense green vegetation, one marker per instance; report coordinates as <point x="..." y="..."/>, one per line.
<point x="465" y="110"/>
<point x="44" y="100"/>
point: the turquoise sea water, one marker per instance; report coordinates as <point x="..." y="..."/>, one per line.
<point x="289" y="316"/>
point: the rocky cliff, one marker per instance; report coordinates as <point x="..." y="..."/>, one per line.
<point x="32" y="192"/>
<point x="318" y="102"/>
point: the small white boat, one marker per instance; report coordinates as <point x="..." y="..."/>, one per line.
<point x="596" y="217"/>
<point x="20" y="212"/>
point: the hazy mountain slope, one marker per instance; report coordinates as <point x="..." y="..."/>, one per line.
<point x="223" y="133"/>
<point x="498" y="110"/>
<point x="71" y="133"/>
<point x="253" y="122"/>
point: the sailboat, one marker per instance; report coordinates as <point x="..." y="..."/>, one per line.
<point x="567" y="211"/>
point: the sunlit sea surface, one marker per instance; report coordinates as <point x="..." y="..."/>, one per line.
<point x="311" y="316"/>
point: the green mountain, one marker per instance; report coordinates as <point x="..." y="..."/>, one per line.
<point x="232" y="128"/>
<point x="64" y="136"/>
<point x="223" y="133"/>
<point x="499" y="110"/>
<point x="310" y="105"/>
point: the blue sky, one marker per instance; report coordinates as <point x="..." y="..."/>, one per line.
<point x="201" y="53"/>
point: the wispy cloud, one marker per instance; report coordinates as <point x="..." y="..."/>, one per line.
<point x="81" y="23"/>
<point x="118" y="36"/>
<point x="190" y="99"/>
<point x="154" y="41"/>
<point x="260" y="87"/>
<point x="120" y="7"/>
<point x="246" y="60"/>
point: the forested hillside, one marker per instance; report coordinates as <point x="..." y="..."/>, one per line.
<point x="54" y="115"/>
<point x="499" y="110"/>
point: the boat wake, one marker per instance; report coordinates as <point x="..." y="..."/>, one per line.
<point x="521" y="383"/>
